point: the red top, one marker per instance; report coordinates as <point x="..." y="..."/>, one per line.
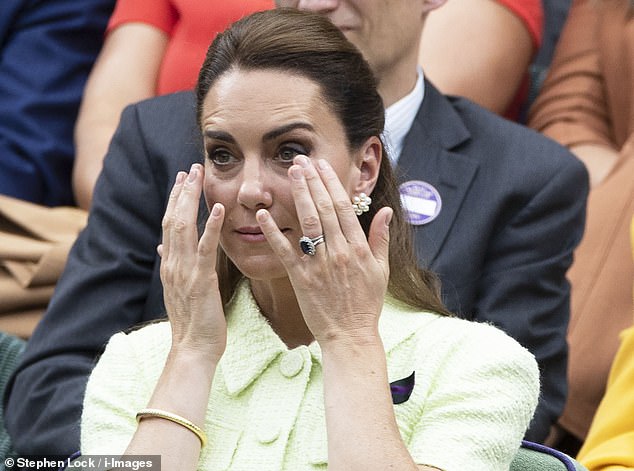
<point x="191" y="25"/>
<point x="531" y="13"/>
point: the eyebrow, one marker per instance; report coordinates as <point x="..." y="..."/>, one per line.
<point x="220" y="136"/>
<point x="286" y="128"/>
<point x="269" y="136"/>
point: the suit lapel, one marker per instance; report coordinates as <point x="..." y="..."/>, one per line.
<point x="431" y="154"/>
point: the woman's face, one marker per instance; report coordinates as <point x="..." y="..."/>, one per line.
<point x="254" y="123"/>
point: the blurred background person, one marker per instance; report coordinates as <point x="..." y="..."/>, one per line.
<point x="609" y="445"/>
<point x="46" y="52"/>
<point x="587" y="104"/>
<point x="482" y="50"/>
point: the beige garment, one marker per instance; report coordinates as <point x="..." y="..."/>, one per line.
<point x="588" y="98"/>
<point x="34" y="244"/>
<point x="610" y="441"/>
<point x="601" y="303"/>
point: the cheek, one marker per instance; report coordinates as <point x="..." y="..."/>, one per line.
<point x="217" y="191"/>
<point x="348" y="173"/>
<point x="208" y="192"/>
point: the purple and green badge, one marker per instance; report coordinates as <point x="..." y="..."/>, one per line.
<point x="421" y="201"/>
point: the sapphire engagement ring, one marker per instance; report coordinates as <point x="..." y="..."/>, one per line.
<point x="308" y="245"/>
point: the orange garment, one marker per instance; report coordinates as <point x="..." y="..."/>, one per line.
<point x="588" y="98"/>
<point x="191" y="25"/>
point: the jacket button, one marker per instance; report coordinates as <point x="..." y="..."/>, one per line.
<point x="291" y="364"/>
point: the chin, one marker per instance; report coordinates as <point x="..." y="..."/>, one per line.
<point x="261" y="267"/>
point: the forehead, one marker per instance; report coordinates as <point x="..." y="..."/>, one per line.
<point x="254" y="98"/>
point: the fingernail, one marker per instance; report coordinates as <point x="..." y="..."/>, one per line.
<point x="215" y="211"/>
<point x="193" y="173"/>
<point x="388" y="219"/>
<point x="180" y="176"/>
<point x="323" y="165"/>
<point x="297" y="173"/>
<point x="262" y="215"/>
<point x="302" y="160"/>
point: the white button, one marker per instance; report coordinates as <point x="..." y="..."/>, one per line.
<point x="292" y="363"/>
<point x="268" y="433"/>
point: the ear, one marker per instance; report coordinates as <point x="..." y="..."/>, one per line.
<point x="369" y="163"/>
<point x="430" y="5"/>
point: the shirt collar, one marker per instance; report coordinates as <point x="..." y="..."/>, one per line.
<point x="252" y="344"/>
<point x="400" y="116"/>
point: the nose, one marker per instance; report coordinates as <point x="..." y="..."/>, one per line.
<point x="254" y="192"/>
<point x="318" y="6"/>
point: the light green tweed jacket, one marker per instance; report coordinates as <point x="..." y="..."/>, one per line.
<point x="476" y="390"/>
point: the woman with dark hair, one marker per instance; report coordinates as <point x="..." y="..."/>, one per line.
<point x="301" y="332"/>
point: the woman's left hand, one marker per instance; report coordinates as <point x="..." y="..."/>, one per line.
<point x="340" y="289"/>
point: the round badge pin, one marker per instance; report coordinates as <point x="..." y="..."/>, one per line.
<point x="421" y="201"/>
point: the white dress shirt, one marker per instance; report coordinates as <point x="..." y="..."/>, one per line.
<point x="399" y="118"/>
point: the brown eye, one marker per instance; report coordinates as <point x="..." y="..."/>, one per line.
<point x="221" y="157"/>
<point x="287" y="153"/>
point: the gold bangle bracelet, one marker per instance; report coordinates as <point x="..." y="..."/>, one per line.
<point x="177" y="419"/>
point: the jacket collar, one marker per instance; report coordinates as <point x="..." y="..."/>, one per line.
<point x="433" y="152"/>
<point x="252" y="345"/>
<point x="251" y="342"/>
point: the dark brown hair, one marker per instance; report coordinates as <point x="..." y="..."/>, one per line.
<point x="309" y="45"/>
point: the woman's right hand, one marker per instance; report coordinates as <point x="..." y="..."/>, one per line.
<point x="188" y="270"/>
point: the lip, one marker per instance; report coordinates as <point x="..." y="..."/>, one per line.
<point x="250" y="234"/>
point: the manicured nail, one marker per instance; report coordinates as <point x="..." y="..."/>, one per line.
<point x="215" y="211"/>
<point x="302" y="160"/>
<point x="262" y="215"/>
<point x="297" y="173"/>
<point x="193" y="173"/>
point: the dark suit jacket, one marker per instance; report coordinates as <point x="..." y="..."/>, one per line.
<point x="513" y="212"/>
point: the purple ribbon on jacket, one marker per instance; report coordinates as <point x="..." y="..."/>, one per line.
<point x="402" y="389"/>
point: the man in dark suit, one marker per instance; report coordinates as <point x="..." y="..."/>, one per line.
<point x="497" y="211"/>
